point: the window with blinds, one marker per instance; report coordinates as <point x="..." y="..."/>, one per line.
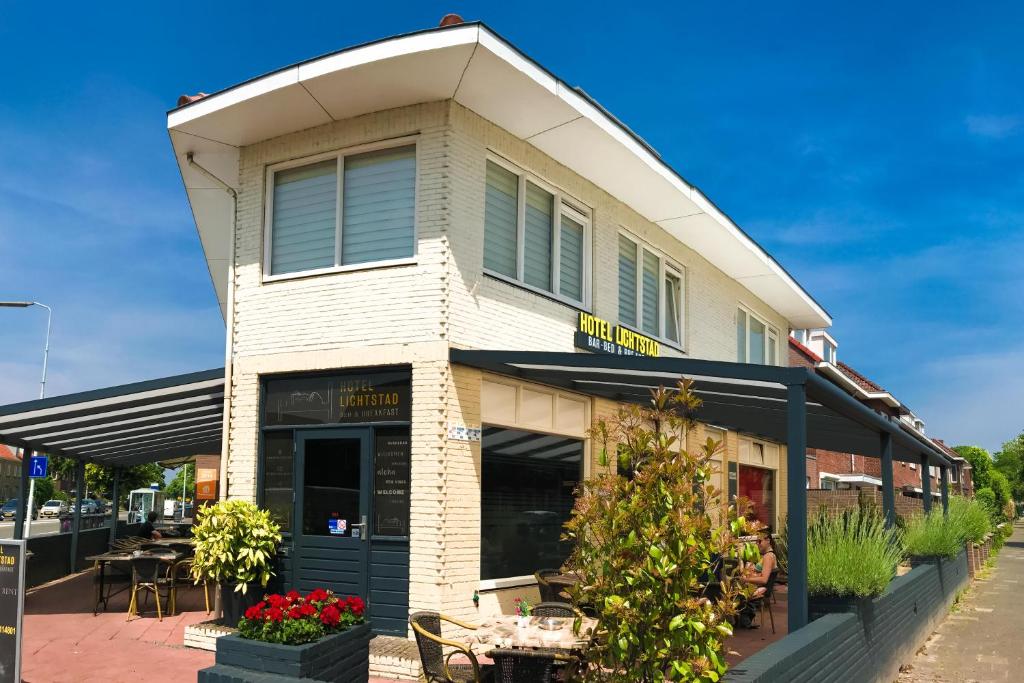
<point x="650" y="291"/>
<point x="533" y="235"/>
<point x="317" y="225"/>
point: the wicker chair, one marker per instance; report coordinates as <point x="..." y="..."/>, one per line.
<point x="764" y="602"/>
<point x="151" y="574"/>
<point x="556" y="609"/>
<point x="527" y="666"/>
<point x="548" y="592"/>
<point x="182" y="573"/>
<point x="437" y="667"/>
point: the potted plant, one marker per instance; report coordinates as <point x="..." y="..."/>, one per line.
<point x="929" y="538"/>
<point x="523" y="612"/>
<point x="235" y="544"/>
<point x="317" y="636"/>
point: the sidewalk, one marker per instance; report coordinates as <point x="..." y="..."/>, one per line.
<point x="980" y="641"/>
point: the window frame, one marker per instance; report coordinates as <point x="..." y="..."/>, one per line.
<point x="770" y="332"/>
<point x="666" y="266"/>
<point x="339" y="155"/>
<point x="563" y="204"/>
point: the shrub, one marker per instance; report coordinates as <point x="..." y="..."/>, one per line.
<point x="851" y="555"/>
<point x="970" y="519"/>
<point x="932" y="536"/>
<point x="987" y="498"/>
<point x="294" y="619"/>
<point x="235" y="541"/>
<point x="645" y="544"/>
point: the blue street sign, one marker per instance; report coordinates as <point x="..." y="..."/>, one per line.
<point x="37" y="466"/>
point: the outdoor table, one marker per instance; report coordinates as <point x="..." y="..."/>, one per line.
<point x="173" y="540"/>
<point x="100" y="563"/>
<point x="504" y="631"/>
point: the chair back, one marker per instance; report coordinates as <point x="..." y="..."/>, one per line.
<point x="548" y="592"/>
<point x="147" y="569"/>
<point x="514" y="666"/>
<point x="431" y="652"/>
<point x="186" y="549"/>
<point x="554" y="609"/>
<point x="769" y="585"/>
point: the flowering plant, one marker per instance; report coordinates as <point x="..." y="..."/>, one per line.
<point x="295" y="619"/>
<point x="523" y="608"/>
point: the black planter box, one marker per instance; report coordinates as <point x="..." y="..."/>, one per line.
<point x="819" y="605"/>
<point x="339" y="658"/>
<point x="234" y="603"/>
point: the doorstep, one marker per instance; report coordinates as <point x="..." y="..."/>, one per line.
<point x="394" y="658"/>
<point x="204" y="635"/>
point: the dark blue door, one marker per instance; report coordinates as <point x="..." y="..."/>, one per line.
<point x="333" y="471"/>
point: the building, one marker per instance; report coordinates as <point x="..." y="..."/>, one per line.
<point x="10" y="473"/>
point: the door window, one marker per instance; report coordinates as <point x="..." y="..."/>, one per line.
<point x="331" y="487"/>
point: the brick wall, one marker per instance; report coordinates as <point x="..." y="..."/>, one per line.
<point x="838" y="501"/>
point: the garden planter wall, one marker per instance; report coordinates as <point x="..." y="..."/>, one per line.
<point x="340" y="658"/>
<point x="234" y="603"/>
<point x="859" y="643"/>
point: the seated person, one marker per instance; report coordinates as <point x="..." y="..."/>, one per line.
<point x="147" y="530"/>
<point x="757" y="575"/>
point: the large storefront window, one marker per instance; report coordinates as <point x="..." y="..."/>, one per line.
<point x="526" y="496"/>
<point x="758" y="485"/>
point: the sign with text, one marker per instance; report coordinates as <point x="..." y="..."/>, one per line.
<point x="599" y="335"/>
<point x="12" y="607"/>
<point x="207" y="475"/>
<point x="350" y="398"/>
<point x="391" y="482"/>
<point x="37" y="466"/>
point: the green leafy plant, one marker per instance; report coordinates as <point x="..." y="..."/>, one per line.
<point x="987" y="498"/>
<point x="523" y="607"/>
<point x="932" y="535"/>
<point x="647" y="544"/>
<point x="235" y="541"/>
<point x="851" y="555"/>
<point x="970" y="518"/>
<point x="295" y="619"/>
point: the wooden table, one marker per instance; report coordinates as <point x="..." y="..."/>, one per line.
<point x="503" y="631"/>
<point x="100" y="563"/>
<point x="173" y="540"/>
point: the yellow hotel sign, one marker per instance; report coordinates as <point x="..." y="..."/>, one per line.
<point x="599" y="335"/>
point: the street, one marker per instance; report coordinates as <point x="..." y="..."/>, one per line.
<point x="40" y="527"/>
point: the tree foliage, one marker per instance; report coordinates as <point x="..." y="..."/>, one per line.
<point x="981" y="464"/>
<point x="1010" y="461"/>
<point x="645" y="545"/>
<point x="175" y="486"/>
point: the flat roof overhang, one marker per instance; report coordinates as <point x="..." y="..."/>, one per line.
<point x="474" y="66"/>
<point x="158" y="420"/>
<point x="742" y="397"/>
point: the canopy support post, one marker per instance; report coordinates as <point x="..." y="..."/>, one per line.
<point x="888" y="494"/>
<point x="115" y="504"/>
<point x="796" y="509"/>
<point x="926" y="484"/>
<point x="19" y="514"/>
<point x="76" y="522"/>
<point x="944" y="489"/>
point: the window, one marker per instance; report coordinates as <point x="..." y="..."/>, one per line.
<point x="526" y="495"/>
<point x="534" y="235"/>
<point x="828" y="353"/>
<point x="756" y="341"/>
<point x="318" y="223"/>
<point x="650" y="292"/>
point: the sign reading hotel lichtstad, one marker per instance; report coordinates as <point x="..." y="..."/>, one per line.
<point x="599" y="335"/>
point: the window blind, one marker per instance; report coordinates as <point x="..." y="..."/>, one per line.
<point x="650" y="295"/>
<point x="537" y="238"/>
<point x="501" y="207"/>
<point x="627" y="281"/>
<point x="379" y="203"/>
<point x="673" y="291"/>
<point x="571" y="260"/>
<point x="303" y="225"/>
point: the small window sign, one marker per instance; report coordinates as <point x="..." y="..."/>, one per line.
<point x="337" y="527"/>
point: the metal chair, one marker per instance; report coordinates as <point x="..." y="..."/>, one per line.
<point x="523" y="666"/>
<point x="437" y="667"/>
<point x="765" y="601"/>
<point x="548" y="592"/>
<point x="151" y="574"/>
<point x="556" y="609"/>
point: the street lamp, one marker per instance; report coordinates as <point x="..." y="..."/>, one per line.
<point x="42" y="394"/>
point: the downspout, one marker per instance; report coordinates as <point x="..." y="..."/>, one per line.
<point x="230" y="323"/>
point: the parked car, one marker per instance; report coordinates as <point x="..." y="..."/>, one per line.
<point x="53" y="508"/>
<point x="10" y="510"/>
<point x="89" y="506"/>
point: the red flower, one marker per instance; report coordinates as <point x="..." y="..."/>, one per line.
<point x="355" y="604"/>
<point x="307" y="610"/>
<point x="274" y="614"/>
<point x="276" y="601"/>
<point x="253" y="613"/>
<point x="330" y="615"/>
<point x="318" y="595"/>
<point x="295" y="613"/>
<point x="293" y="595"/>
<point x="261" y="604"/>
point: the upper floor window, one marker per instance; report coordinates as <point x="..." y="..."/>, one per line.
<point x="756" y="340"/>
<point x="345" y="210"/>
<point x="828" y="351"/>
<point x="650" y="291"/>
<point x="534" y="235"/>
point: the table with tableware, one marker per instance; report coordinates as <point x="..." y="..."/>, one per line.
<point x="101" y="561"/>
<point x="551" y="633"/>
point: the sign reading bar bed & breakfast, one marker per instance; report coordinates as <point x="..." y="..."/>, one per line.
<point x="350" y="398"/>
<point x="600" y="336"/>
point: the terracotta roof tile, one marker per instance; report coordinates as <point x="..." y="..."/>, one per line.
<point x="7" y="453"/>
<point x="860" y="379"/>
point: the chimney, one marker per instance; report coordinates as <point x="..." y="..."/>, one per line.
<point x="450" y="20"/>
<point x="188" y="99"/>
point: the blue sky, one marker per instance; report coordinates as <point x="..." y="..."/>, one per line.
<point x="877" y="152"/>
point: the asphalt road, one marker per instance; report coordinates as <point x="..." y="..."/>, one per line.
<point x="40" y="527"/>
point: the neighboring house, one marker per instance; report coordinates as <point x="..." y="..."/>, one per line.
<point x="10" y="473"/>
<point x="960" y="476"/>
<point x="433" y="191"/>
<point x="831" y="470"/>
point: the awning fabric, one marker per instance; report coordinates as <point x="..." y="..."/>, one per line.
<point x="743" y="397"/>
<point x="154" y="421"/>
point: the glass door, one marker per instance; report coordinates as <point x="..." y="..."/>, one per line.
<point x="332" y="485"/>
